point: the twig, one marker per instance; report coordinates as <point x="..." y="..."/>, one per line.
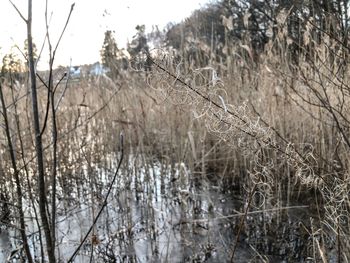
<point x="48" y="99"/>
<point x="242" y="222"/>
<point x="184" y="83"/>
<point x="251" y="134"/>
<point x="104" y="202"/>
<point x="19" y="12"/>
<point x="64" y="28"/>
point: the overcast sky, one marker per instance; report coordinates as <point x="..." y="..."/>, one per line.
<point x="90" y="19"/>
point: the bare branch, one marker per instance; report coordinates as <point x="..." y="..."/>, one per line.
<point x="105" y="199"/>
<point x="64" y="29"/>
<point x="19" y="12"/>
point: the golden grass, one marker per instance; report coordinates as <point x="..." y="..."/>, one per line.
<point x="281" y="137"/>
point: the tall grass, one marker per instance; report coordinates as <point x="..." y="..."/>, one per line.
<point x="271" y="130"/>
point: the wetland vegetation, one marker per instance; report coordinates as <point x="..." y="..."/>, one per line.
<point x="224" y="138"/>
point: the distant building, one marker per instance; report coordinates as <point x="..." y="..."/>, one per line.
<point x="75" y="72"/>
<point x="98" y="69"/>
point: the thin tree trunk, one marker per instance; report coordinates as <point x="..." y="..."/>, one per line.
<point x="16" y="175"/>
<point x="25" y="167"/>
<point x="38" y="142"/>
<point x="54" y="164"/>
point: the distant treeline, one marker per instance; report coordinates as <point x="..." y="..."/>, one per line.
<point x="212" y="34"/>
<point x="256" y="22"/>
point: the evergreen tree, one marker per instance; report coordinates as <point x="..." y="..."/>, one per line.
<point x="109" y="53"/>
<point x="138" y="48"/>
<point x="139" y="42"/>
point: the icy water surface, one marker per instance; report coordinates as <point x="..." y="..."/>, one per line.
<point x="156" y="213"/>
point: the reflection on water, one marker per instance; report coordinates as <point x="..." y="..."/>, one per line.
<point x="5" y="245"/>
<point x="156" y="213"/>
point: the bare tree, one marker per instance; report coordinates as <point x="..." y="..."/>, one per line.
<point x="38" y="142"/>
